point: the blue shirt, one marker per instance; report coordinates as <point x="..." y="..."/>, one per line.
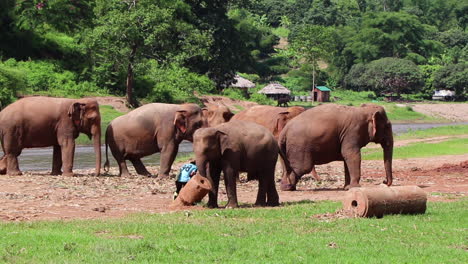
<point x="186" y="171"/>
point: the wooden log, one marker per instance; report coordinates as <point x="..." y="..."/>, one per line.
<point x="382" y="200"/>
<point x="195" y="189"/>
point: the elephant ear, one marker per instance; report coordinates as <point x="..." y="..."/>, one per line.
<point x="207" y="113"/>
<point x="375" y="125"/>
<point x="180" y="120"/>
<point x="76" y="112"/>
<point x="223" y="141"/>
<point x="227" y="116"/>
<point x="281" y="122"/>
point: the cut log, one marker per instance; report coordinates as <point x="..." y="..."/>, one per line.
<point x="382" y="200"/>
<point x="195" y="189"/>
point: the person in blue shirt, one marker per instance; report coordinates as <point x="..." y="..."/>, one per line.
<point x="186" y="173"/>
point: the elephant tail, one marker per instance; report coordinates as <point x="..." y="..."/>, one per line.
<point x="106" y="164"/>
<point x="282" y="152"/>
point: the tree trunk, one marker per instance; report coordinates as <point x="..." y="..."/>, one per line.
<point x="130" y="76"/>
<point x="313" y="81"/>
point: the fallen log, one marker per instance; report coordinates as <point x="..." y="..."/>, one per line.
<point x="382" y="200"/>
<point x="195" y="189"/>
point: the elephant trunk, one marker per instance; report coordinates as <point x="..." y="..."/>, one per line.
<point x="97" y="148"/>
<point x="388" y="155"/>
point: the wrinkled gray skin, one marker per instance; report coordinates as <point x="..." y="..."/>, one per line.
<point x="233" y="147"/>
<point x="35" y="122"/>
<point x="149" y="129"/>
<point x="332" y="132"/>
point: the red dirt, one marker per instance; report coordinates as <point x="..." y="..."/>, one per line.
<point x="41" y="196"/>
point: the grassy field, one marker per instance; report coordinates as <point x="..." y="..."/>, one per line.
<point x="456" y="146"/>
<point x="435" y="132"/>
<point x="288" y="234"/>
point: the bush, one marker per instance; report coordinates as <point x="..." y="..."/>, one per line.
<point x="261" y="99"/>
<point x="46" y="78"/>
<point x="234" y="93"/>
<point x="176" y="84"/>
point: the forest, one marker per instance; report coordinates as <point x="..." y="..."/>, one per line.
<point x="171" y="50"/>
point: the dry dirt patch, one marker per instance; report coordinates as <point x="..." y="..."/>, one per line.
<point x="453" y="112"/>
<point x="41" y="196"/>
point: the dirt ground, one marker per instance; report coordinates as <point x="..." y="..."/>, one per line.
<point x="40" y="196"/>
<point x="44" y="197"/>
<point x="453" y="112"/>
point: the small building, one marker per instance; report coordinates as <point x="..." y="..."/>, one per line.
<point x="242" y="83"/>
<point x="321" y="94"/>
<point x="275" y="91"/>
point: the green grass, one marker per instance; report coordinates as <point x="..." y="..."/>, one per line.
<point x="456" y="146"/>
<point x="435" y="132"/>
<point x="108" y="113"/>
<point x="407" y="114"/>
<point x="282" y="235"/>
<point x="281" y="32"/>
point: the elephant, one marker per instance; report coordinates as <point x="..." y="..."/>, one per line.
<point x="233" y="147"/>
<point x="333" y="132"/>
<point x="283" y="101"/>
<point x="273" y="118"/>
<point x="216" y="114"/>
<point x="37" y="121"/>
<point x="155" y="128"/>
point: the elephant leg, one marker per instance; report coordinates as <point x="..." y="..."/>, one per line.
<point x="3" y="165"/>
<point x="56" y="161"/>
<point x="230" y="176"/>
<point x="272" y="194"/>
<point x="315" y="175"/>
<point x="168" y="154"/>
<point x="68" y="154"/>
<point x="262" y="190"/>
<point x="12" y="165"/>
<point x="11" y="155"/>
<point x="353" y="163"/>
<point x="213" y="176"/>
<point x="123" y="170"/>
<point x="347" y="178"/>
<point x="140" y="167"/>
<point x="300" y="165"/>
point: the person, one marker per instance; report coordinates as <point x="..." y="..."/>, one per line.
<point x="186" y="173"/>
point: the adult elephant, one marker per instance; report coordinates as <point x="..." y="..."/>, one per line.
<point x="335" y="132"/>
<point x="35" y="122"/>
<point x="273" y="118"/>
<point x="233" y="147"/>
<point x="216" y="114"/>
<point x="156" y="128"/>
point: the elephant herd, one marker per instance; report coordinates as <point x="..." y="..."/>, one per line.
<point x="249" y="141"/>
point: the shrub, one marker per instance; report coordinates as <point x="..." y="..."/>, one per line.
<point x="261" y="99"/>
<point x="176" y="84"/>
<point x="46" y="78"/>
<point x="234" y="93"/>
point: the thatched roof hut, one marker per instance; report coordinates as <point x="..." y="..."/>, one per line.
<point x="275" y="90"/>
<point x="242" y="83"/>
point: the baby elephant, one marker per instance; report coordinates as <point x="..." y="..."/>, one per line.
<point x="233" y="147"/>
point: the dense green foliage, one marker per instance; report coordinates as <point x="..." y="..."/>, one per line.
<point x="73" y="48"/>
<point x="289" y="234"/>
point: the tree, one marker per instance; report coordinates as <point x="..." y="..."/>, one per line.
<point x="387" y="75"/>
<point x="227" y="52"/>
<point x="389" y="34"/>
<point x="311" y="43"/>
<point x="453" y="77"/>
<point x="127" y="32"/>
